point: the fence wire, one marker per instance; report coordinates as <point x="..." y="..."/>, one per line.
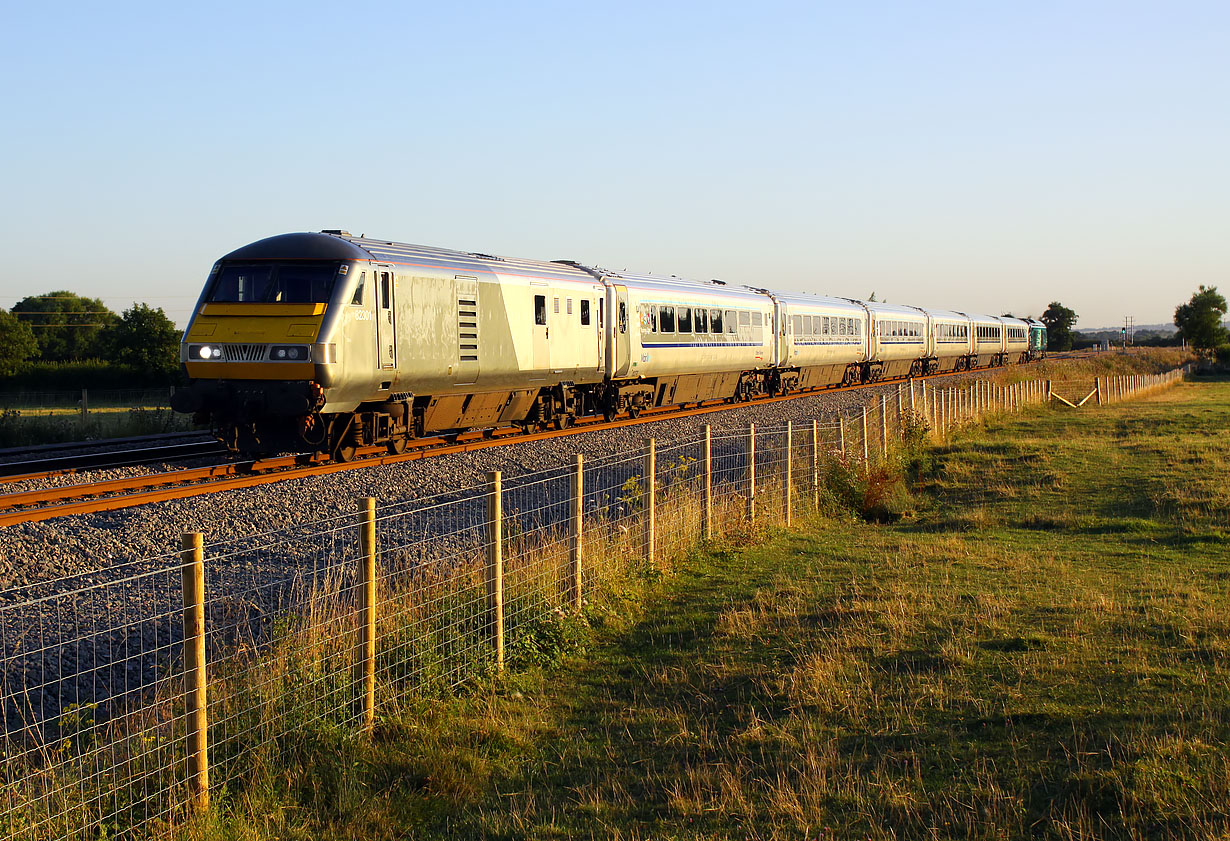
<point x="56" y="402"/>
<point x="93" y="694"/>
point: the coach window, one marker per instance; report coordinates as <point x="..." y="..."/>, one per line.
<point x="666" y="319"/>
<point x="702" y="320"/>
<point x="623" y="317"/>
<point x="585" y="311"/>
<point x="685" y="320"/>
<point x="715" y="321"/>
<point x="732" y="322"/>
<point x="357" y="298"/>
<point x="540" y="309"/>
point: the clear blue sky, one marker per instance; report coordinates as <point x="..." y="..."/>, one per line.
<point x="989" y="155"/>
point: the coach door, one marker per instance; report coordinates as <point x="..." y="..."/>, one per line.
<point x="619" y="357"/>
<point x="541" y="331"/>
<point x="599" y="326"/>
<point x="386" y="342"/>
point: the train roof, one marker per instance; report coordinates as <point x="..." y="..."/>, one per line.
<point x="672" y="283"/>
<point x="340" y="245"/>
<point x="804" y="299"/>
<point x="880" y="309"/>
<point x="985" y="319"/>
<point x="948" y="315"/>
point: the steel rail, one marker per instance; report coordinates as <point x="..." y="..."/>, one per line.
<point x="157" y="487"/>
<point x="45" y="468"/>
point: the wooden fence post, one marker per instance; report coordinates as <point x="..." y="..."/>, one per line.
<point x="841" y="433"/>
<point x="366" y="655"/>
<point x="85" y="403"/>
<point x="495" y="563"/>
<point x="578" y="514"/>
<point x="884" y="425"/>
<point x="787" y="491"/>
<point x="866" y="445"/>
<point x="707" y="524"/>
<point x="196" y="717"/>
<point x="751" y="471"/>
<point x="815" y="465"/>
<point x="651" y="500"/>
<point x="911" y="395"/>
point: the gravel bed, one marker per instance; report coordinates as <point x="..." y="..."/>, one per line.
<point x="100" y="633"/>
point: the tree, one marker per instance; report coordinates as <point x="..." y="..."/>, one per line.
<point x="66" y="325"/>
<point x="1199" y="320"/>
<point x="144" y="338"/>
<point x="17" y="343"/>
<point x="1058" y="320"/>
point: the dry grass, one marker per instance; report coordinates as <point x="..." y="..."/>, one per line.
<point x="1036" y="645"/>
<point x="1038" y="671"/>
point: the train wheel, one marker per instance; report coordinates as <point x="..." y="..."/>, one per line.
<point x="345" y="452"/>
<point x="397" y="444"/>
<point x="562" y="422"/>
<point x="634" y="412"/>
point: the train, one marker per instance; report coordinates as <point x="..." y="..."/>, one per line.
<point x="325" y="342"/>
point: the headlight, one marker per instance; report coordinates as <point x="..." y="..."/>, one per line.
<point x="290" y="353"/>
<point x="204" y="352"/>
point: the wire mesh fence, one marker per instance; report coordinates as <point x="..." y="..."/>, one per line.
<point x="133" y="694"/>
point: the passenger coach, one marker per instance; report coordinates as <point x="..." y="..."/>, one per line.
<point x="328" y="342"/>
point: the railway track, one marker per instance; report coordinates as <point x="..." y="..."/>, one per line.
<point x="87" y="497"/>
<point x="144" y="449"/>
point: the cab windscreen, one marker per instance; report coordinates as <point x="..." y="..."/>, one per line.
<point x="274" y="283"/>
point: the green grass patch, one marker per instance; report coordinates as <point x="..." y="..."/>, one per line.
<point x="1038" y="648"/>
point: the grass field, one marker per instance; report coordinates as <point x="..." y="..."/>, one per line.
<point x="1038" y="647"/>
